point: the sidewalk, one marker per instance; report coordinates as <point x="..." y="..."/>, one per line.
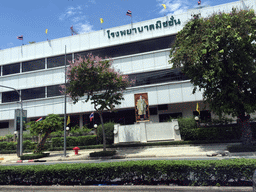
<point x="140" y="152"/>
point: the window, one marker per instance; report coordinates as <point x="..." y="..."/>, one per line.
<point x="10" y="96"/>
<point x="33" y="65"/>
<point x="160" y="76"/>
<point x="34" y="93"/>
<point x="11" y="69"/>
<point x="4" y="125"/>
<point x="131" y="48"/>
<point x="54" y="91"/>
<point x="58" y="61"/>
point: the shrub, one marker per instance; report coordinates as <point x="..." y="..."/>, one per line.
<point x="29" y="145"/>
<point x="74" y="141"/>
<point x="3" y="145"/>
<point x="188" y="128"/>
<point x="11" y="146"/>
<point x="86" y="140"/>
<point x="102" y="153"/>
<point x="9" y="135"/>
<point x="34" y="156"/>
<point x="71" y="141"/>
<point x="109" y="132"/>
<point x="57" y="142"/>
<point x="241" y="148"/>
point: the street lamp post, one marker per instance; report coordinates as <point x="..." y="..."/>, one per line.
<point x="21" y="115"/>
<point x="65" y="106"/>
<point x="95" y="126"/>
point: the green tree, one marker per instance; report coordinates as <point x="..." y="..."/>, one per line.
<point x="218" y="55"/>
<point x="99" y="82"/>
<point x="51" y="123"/>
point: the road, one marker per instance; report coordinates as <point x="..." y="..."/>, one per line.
<point x="128" y="159"/>
<point x="122" y="188"/>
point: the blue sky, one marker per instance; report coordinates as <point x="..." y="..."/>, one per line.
<point x="31" y="18"/>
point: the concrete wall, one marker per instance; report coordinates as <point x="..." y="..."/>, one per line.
<point x="147" y="131"/>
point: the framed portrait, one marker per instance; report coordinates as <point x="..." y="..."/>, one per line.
<point x="141" y="107"/>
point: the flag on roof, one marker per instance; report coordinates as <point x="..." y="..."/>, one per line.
<point x="164" y="6"/>
<point x="20" y="37"/>
<point x="91" y="116"/>
<point x="40" y="119"/>
<point x="199" y="2"/>
<point x="101" y="20"/>
<point x="46" y="31"/>
<point x="129" y="13"/>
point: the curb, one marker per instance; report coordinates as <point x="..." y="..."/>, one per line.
<point x="28" y="161"/>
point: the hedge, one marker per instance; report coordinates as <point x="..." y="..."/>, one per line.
<point x="102" y="153"/>
<point x="34" y="156"/>
<point x="74" y="141"/>
<point x="181" y="172"/>
<point x="190" y="131"/>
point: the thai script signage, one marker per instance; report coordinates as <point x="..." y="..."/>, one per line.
<point x="157" y="25"/>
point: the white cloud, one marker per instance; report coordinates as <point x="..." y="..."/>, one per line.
<point x="77" y="18"/>
<point x="175" y="6"/>
<point x="84" y="27"/>
<point x="70" y="12"/>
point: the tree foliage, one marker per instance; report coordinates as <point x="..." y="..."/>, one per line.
<point x="218" y="55"/>
<point x="51" y="123"/>
<point x="45" y="127"/>
<point x="97" y="81"/>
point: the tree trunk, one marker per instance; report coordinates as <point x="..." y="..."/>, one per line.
<point x="103" y="132"/>
<point x="40" y="146"/>
<point x="246" y="129"/>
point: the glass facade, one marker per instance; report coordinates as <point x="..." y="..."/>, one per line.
<point x="131" y="48"/>
<point x="53" y="91"/>
<point x="58" y="61"/>
<point x="11" y="69"/>
<point x="34" y="93"/>
<point x="33" y="65"/>
<point x="160" y="76"/>
<point x="10" y="96"/>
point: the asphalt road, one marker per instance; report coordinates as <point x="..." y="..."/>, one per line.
<point x="121" y="188"/>
<point x="127" y="159"/>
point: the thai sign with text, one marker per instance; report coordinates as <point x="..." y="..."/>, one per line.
<point x="157" y="25"/>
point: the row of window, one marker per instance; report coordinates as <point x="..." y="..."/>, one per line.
<point x="34" y="93"/>
<point x="160" y="76"/>
<point x="34" y="65"/>
<point x="113" y="51"/>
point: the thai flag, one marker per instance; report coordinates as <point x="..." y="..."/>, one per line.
<point x="199" y="2"/>
<point x="91" y="116"/>
<point x="40" y="119"/>
<point x="20" y="37"/>
<point x="129" y="13"/>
